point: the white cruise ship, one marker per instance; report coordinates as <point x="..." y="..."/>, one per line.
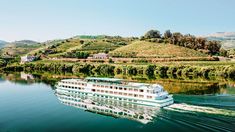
<point x="117" y="89"/>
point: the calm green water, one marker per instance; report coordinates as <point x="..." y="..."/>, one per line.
<point x="34" y="106"/>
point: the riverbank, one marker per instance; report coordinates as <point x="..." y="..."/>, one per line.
<point x="193" y="69"/>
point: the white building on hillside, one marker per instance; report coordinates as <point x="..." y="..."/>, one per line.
<point x="100" y="56"/>
<point x="27" y="58"/>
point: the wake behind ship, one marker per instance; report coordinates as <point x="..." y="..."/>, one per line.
<point x="117" y="89"/>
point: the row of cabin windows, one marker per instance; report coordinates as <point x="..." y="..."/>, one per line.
<point x="120" y="93"/>
<point x="111" y="92"/>
<point x="72" y="87"/>
<point x="76" y="83"/>
<point x="120" y="88"/>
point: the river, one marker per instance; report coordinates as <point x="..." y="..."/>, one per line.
<point x="30" y="103"/>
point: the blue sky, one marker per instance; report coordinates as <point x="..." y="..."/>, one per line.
<point x="52" y="19"/>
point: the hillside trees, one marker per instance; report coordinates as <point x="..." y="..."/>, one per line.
<point x="152" y="34"/>
<point x="188" y="41"/>
<point x="76" y="54"/>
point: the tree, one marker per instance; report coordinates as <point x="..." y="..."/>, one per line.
<point x="82" y="41"/>
<point x="176" y="38"/>
<point x="167" y="34"/>
<point x="223" y="52"/>
<point x="2" y="62"/>
<point x="152" y="34"/>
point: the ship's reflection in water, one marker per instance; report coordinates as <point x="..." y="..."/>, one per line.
<point x="136" y="112"/>
<point x="117" y="109"/>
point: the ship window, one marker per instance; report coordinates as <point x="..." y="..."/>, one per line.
<point x="120" y="88"/>
<point x="136" y="90"/>
<point x="141" y="96"/>
<point x="141" y="90"/>
<point x="111" y="92"/>
<point x="120" y="93"/>
<point x="111" y="87"/>
<point x="130" y="89"/>
<point x="125" y="89"/>
<point x="130" y="94"/>
<point x="93" y="90"/>
<point x="135" y="95"/>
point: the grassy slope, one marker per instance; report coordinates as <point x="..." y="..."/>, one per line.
<point x="94" y="46"/>
<point x="19" y="50"/>
<point x="148" y="49"/>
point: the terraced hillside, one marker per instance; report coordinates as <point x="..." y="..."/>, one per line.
<point x="91" y="46"/>
<point x="18" y="48"/>
<point x="160" y="50"/>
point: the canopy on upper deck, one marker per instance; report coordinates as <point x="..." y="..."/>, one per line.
<point x="104" y="79"/>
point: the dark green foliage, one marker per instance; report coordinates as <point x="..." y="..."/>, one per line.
<point x="105" y="70"/>
<point x="152" y="34"/>
<point x="188" y="41"/>
<point x="132" y="70"/>
<point x="110" y="60"/>
<point x="76" y="54"/>
<point x="162" y="70"/>
<point x="167" y="34"/>
<point x="223" y="52"/>
<point x="2" y="63"/>
<point x="150" y="70"/>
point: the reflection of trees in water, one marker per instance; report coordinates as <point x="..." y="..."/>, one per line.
<point x="172" y="84"/>
<point x="182" y="85"/>
<point x="194" y="88"/>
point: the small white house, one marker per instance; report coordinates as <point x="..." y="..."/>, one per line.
<point x="27" y="58"/>
<point x="100" y="56"/>
<point x="26" y="76"/>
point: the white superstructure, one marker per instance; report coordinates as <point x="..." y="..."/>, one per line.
<point x="117" y="89"/>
